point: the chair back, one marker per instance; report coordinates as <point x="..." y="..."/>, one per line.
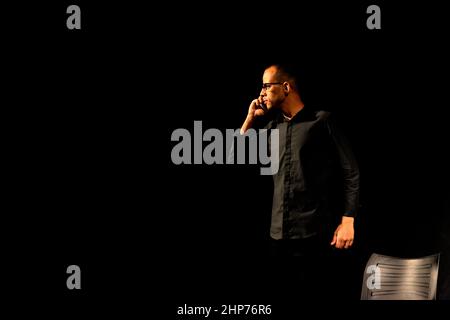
<point x="393" y="278"/>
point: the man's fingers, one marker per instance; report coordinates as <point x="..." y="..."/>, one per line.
<point x="334" y="240"/>
<point x="346" y="244"/>
<point x="253" y="105"/>
<point x="256" y="109"/>
<point x="260" y="99"/>
<point x="259" y="112"/>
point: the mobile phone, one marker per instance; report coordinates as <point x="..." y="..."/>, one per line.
<point x="264" y="107"/>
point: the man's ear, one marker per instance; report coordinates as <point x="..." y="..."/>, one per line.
<point x="286" y="88"/>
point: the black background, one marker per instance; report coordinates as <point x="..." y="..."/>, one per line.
<point x="89" y="115"/>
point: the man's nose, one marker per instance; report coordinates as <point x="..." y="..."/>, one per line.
<point x="262" y="93"/>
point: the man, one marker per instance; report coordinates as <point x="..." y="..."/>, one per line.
<point x="317" y="167"/>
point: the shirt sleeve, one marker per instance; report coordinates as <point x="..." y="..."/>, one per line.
<point x="349" y="167"/>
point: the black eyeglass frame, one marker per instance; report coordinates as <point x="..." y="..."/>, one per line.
<point x="267" y="85"/>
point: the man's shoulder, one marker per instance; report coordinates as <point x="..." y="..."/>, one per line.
<point x="322" y="115"/>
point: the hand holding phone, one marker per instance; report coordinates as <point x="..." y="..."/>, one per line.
<point x="264" y="107"/>
<point x="253" y="112"/>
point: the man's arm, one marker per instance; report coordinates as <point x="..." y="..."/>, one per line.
<point x="344" y="234"/>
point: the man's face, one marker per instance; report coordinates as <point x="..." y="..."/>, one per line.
<point x="272" y="91"/>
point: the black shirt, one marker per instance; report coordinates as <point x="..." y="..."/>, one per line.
<point x="318" y="176"/>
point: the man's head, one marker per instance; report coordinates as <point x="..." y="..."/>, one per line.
<point x="280" y="86"/>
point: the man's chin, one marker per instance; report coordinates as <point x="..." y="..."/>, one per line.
<point x="271" y="107"/>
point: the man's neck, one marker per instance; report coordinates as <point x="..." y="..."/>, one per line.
<point x="291" y="110"/>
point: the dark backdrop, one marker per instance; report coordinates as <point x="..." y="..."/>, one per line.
<point x="92" y="113"/>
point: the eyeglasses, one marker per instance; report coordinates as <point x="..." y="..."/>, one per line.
<point x="267" y="85"/>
